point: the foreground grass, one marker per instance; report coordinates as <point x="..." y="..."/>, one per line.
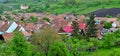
<point x="104" y="51"/>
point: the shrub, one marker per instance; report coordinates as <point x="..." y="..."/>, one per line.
<point x="33" y="19"/>
<point x="115" y="52"/>
<point x="19" y="46"/>
<point x="64" y="38"/>
<point x="58" y="49"/>
<point x="117" y="35"/>
<point x="15" y="12"/>
<point x="117" y="42"/>
<point x="108" y="16"/>
<point x="108" y="25"/>
<point x="95" y="42"/>
<point x="109" y="40"/>
<point x="91" y="46"/>
<point x="77" y="47"/>
<point x="47" y="19"/>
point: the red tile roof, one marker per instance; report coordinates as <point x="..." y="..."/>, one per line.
<point x="82" y="25"/>
<point x="68" y="29"/>
<point x="25" y="33"/>
<point x="7" y="36"/>
<point x="30" y="26"/>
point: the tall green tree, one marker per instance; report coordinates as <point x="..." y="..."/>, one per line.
<point x="91" y="29"/>
<point x="19" y="45"/>
<point x="76" y="30"/>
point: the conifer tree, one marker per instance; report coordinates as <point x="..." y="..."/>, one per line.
<point x="76" y="30"/>
<point x="91" y="29"/>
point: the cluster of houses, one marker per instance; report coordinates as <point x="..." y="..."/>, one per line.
<point x="61" y="23"/>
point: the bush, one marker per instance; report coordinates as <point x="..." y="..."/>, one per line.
<point x="108" y="16"/>
<point x="91" y="46"/>
<point x="115" y="52"/>
<point x="117" y="34"/>
<point x="15" y="12"/>
<point x="77" y="47"/>
<point x="58" y="49"/>
<point x="19" y="45"/>
<point x="64" y="38"/>
<point x="33" y="19"/>
<point x="109" y="40"/>
<point x="95" y="42"/>
<point x="117" y="42"/>
<point x="108" y="25"/>
<point x="47" y="19"/>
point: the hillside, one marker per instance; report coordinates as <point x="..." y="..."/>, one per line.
<point x="60" y="6"/>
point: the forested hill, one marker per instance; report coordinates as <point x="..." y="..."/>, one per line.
<point x="60" y="6"/>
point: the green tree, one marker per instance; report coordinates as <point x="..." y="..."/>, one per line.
<point x="44" y="38"/>
<point x="78" y="47"/>
<point x="91" y="29"/>
<point x="70" y="2"/>
<point x="107" y="25"/>
<point x="33" y="19"/>
<point x="1" y="9"/>
<point x="19" y="45"/>
<point x="47" y="19"/>
<point x="108" y="16"/>
<point x="1" y="18"/>
<point x="58" y="49"/>
<point x="109" y="40"/>
<point x="75" y="28"/>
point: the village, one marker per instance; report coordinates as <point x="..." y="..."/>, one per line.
<point x="61" y="24"/>
<point x="59" y="28"/>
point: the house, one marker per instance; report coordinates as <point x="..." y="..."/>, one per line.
<point x="61" y="31"/>
<point x="1" y="33"/>
<point x="57" y="23"/>
<point x="6" y="25"/>
<point x="69" y="18"/>
<point x="98" y="21"/>
<point x="41" y="24"/>
<point x="30" y="28"/>
<point x="23" y="7"/>
<point x="1" y="25"/>
<point x="81" y="18"/>
<point x="26" y="34"/>
<point x="12" y="27"/>
<point x="68" y="29"/>
<point x="82" y="25"/>
<point x="6" y="36"/>
<point x="21" y="29"/>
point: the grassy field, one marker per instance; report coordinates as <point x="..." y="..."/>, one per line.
<point x="60" y="6"/>
<point x="105" y="52"/>
<point x="86" y="6"/>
